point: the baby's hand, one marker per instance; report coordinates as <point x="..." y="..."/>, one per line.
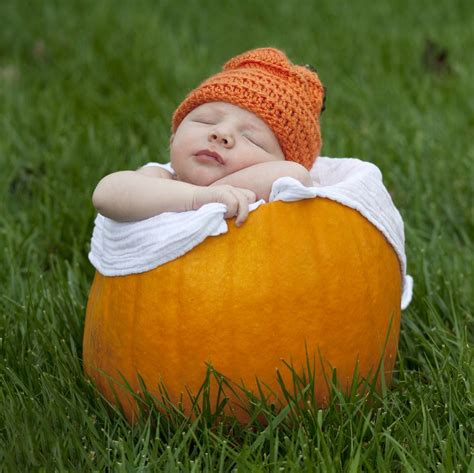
<point x="236" y="199"/>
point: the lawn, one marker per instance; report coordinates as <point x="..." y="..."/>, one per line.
<point x="87" y="88"/>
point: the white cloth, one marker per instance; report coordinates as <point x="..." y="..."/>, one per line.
<point x="121" y="248"/>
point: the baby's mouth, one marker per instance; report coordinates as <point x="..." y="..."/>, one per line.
<point x="210" y="154"/>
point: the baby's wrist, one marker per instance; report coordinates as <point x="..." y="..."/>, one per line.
<point x="199" y="197"/>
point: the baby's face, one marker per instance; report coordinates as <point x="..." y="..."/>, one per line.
<point x="235" y="137"/>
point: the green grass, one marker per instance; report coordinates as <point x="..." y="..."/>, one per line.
<point x="87" y="88"/>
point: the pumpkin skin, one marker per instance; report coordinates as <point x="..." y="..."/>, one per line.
<point x="311" y="277"/>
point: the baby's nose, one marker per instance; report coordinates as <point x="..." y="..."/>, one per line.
<point x="224" y="139"/>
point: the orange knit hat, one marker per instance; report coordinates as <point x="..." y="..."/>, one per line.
<point x="288" y="97"/>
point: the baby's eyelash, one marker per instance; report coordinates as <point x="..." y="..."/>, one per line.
<point x="203" y="121"/>
<point x="254" y="142"/>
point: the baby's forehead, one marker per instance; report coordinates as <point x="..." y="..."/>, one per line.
<point x="222" y="109"/>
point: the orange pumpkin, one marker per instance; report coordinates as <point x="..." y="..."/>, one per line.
<point x="308" y="278"/>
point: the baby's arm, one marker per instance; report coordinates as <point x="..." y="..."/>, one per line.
<point x="260" y="177"/>
<point x="137" y="195"/>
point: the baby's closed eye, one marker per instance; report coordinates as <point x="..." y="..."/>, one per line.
<point x="204" y="121"/>
<point x="254" y="141"/>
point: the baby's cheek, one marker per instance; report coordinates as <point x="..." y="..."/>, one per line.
<point x="249" y="157"/>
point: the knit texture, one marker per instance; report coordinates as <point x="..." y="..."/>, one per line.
<point x="287" y="97"/>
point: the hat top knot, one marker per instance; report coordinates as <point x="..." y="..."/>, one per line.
<point x="261" y="57"/>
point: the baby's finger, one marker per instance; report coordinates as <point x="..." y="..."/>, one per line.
<point x="232" y="204"/>
<point x="250" y="195"/>
<point x="243" y="210"/>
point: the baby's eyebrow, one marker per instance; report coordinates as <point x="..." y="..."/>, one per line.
<point x="212" y="111"/>
<point x="215" y="110"/>
<point x="252" y="127"/>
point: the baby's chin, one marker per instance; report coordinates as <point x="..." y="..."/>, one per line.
<point x="201" y="179"/>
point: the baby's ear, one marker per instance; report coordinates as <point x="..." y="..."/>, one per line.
<point x="171" y="138"/>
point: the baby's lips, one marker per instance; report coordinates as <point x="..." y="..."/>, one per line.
<point x="212" y="154"/>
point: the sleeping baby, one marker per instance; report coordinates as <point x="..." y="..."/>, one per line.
<point x="232" y="137"/>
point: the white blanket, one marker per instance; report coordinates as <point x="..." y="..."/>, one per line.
<point x="121" y="248"/>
